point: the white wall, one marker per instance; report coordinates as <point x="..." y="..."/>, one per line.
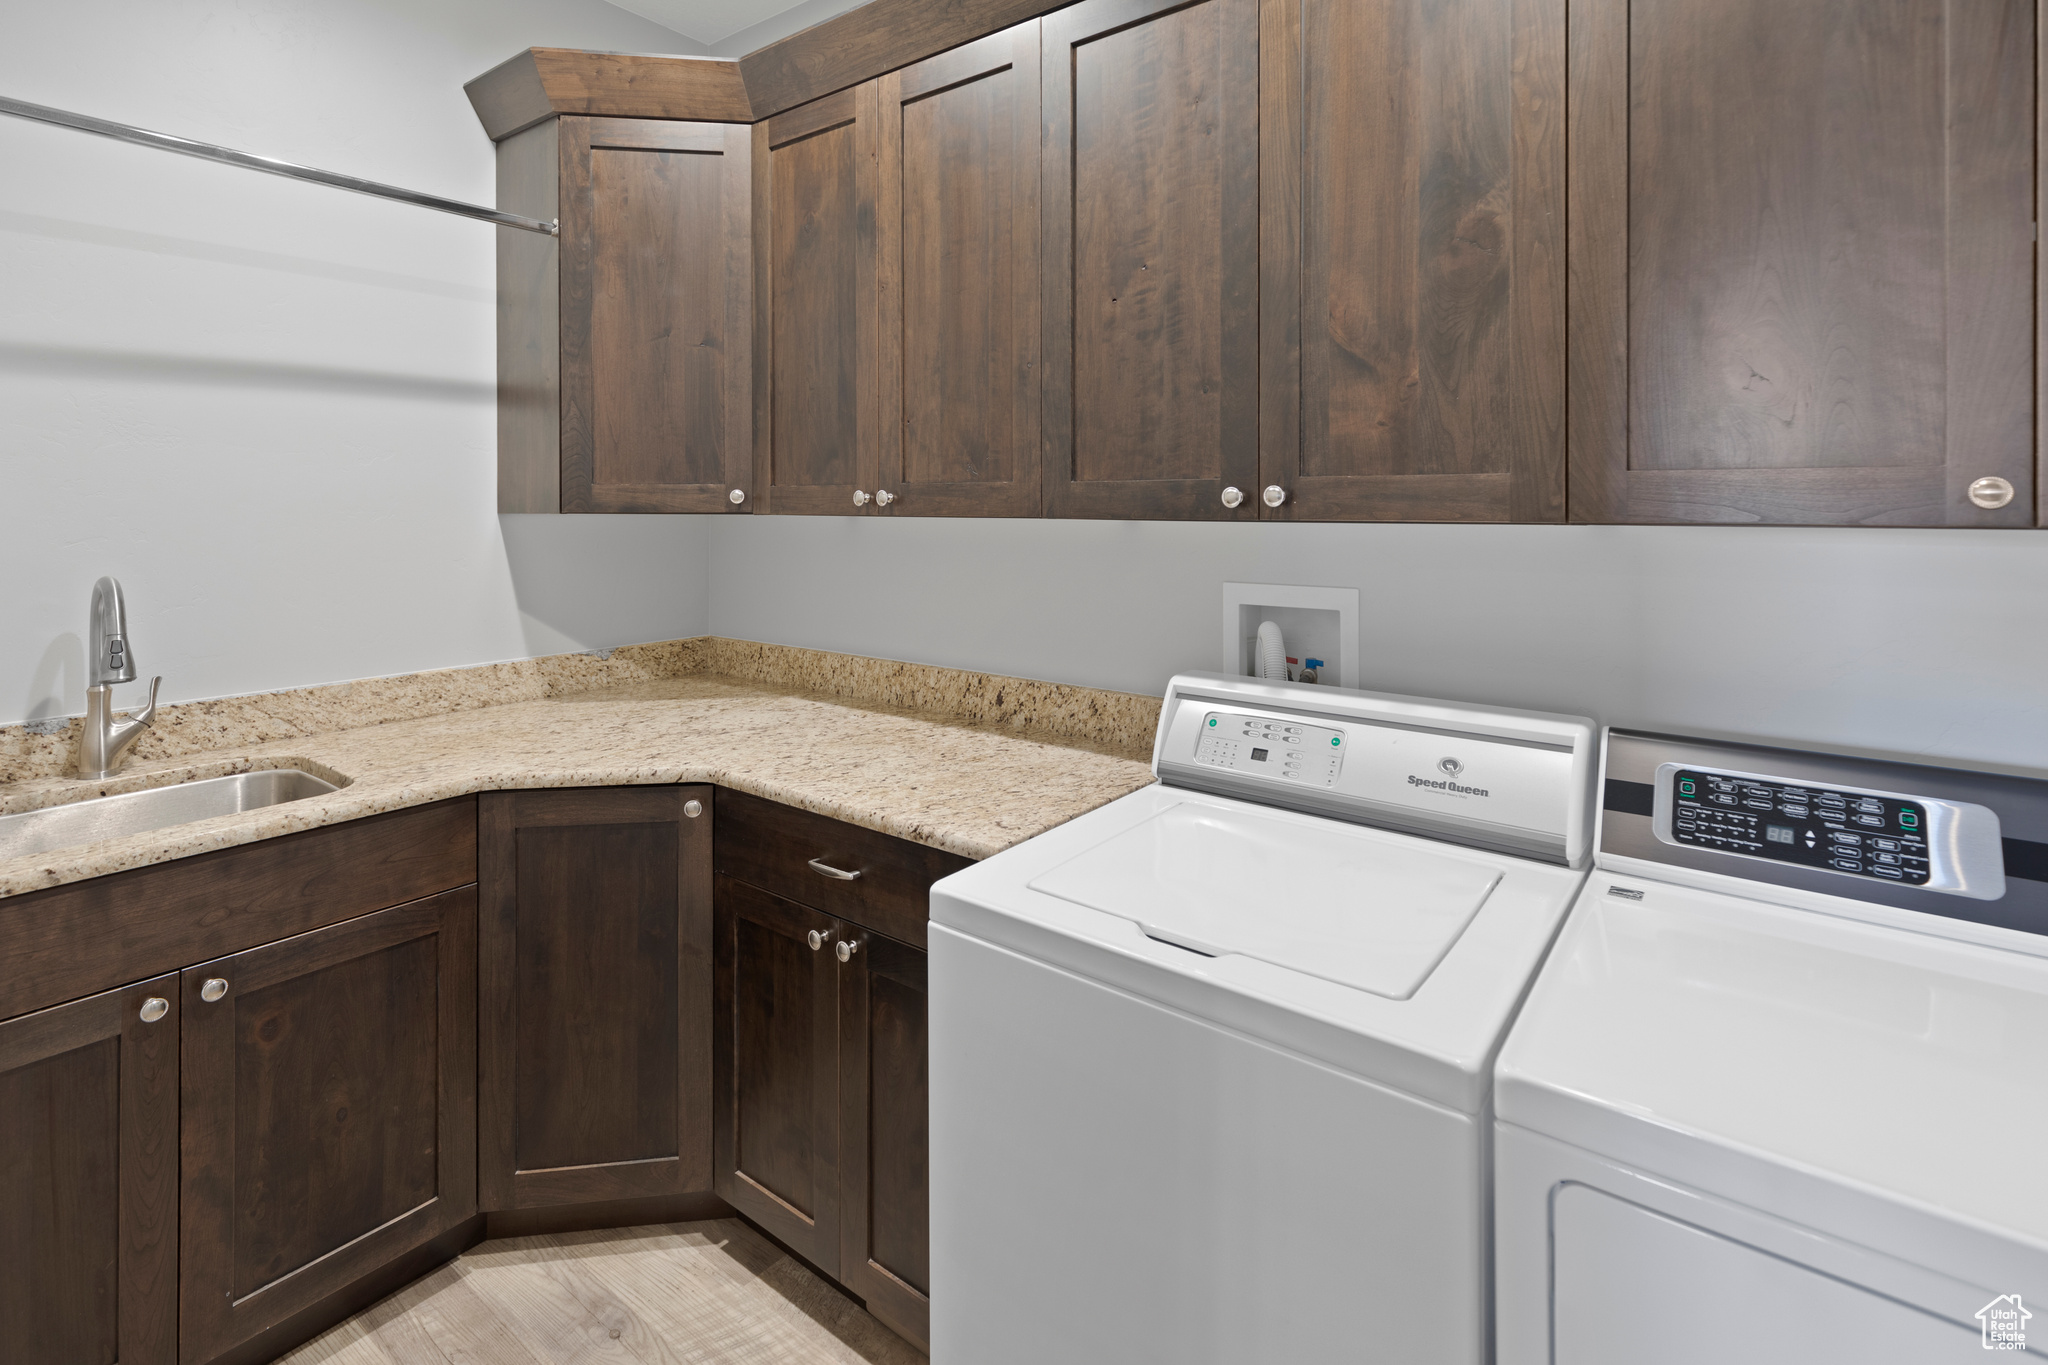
<point x="267" y="407"/>
<point x="1923" y="642"/>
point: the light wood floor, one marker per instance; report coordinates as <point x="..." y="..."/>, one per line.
<point x="678" y="1294"/>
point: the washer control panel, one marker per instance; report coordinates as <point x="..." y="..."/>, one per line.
<point x="1938" y="845"/>
<point x="1272" y="747"/>
<point x="1874" y="836"/>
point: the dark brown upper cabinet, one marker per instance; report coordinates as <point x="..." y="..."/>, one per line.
<point x="1150" y="205"/>
<point x="1802" y="261"/>
<point x="1411" y="231"/>
<point x="625" y="348"/>
<point x="959" y="286"/>
<point x="328" y="1101"/>
<point x="89" y="1180"/>
<point x="815" y="423"/>
<point x="594" y="1030"/>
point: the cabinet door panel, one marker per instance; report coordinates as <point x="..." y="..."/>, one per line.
<point x="656" y="315"/>
<point x="777" y="1078"/>
<point x="328" y="1113"/>
<point x="343" y="1138"/>
<point x="959" y="285"/>
<point x="884" y="1131"/>
<point x="1826" y="316"/>
<point x="1151" y="289"/>
<point x="814" y="244"/>
<point x="88" y="1181"/>
<point x="596" y="995"/>
<point x="1413" y="310"/>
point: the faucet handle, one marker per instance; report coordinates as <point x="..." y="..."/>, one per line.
<point x="148" y="711"/>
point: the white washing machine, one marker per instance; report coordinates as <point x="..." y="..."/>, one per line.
<point x="1210" y="1066"/>
<point x="1781" y="1093"/>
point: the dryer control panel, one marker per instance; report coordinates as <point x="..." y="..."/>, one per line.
<point x="1877" y="836"/>
<point x="1273" y="746"/>
<point x="1938" y="845"/>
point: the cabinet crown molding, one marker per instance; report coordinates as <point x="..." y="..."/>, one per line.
<point x="542" y="82"/>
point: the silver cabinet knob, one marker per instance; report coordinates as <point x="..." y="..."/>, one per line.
<point x="213" y="990"/>
<point x="846" y="950"/>
<point x="883" y="497"/>
<point x="737" y="496"/>
<point x="693" y="809"/>
<point x="1274" y="495"/>
<point x="824" y="869"/>
<point x="816" y="939"/>
<point x="1233" y="498"/>
<point x="860" y="497"/>
<point x="155" y="1008"/>
<point x="1991" y="492"/>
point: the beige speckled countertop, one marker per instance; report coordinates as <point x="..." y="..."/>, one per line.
<point x="966" y="785"/>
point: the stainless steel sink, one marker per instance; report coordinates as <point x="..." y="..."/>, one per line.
<point x="110" y="817"/>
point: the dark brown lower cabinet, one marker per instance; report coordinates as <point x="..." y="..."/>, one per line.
<point x="776" y="1037"/>
<point x="89" y="1180"/>
<point x="884" y="1192"/>
<point x="595" y="1025"/>
<point x="328" y="1094"/>
<point x="821" y="1085"/>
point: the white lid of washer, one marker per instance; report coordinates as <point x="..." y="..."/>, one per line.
<point x="1320" y="898"/>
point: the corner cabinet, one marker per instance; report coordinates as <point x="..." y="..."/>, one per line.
<point x="1802" y="262"/>
<point x="625" y="347"/>
<point x="821" y="1069"/>
<point x="595" y="1012"/>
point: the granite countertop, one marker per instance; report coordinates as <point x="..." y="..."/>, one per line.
<point x="962" y="785"/>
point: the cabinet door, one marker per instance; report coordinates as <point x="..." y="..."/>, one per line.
<point x="777" y="1042"/>
<point x="89" y="1180"/>
<point x="958" y="241"/>
<point x="885" y="1200"/>
<point x="815" y="327"/>
<point x="328" y="1113"/>
<point x="596" y="1009"/>
<point x="1411" y="239"/>
<point x="1801" y="260"/>
<point x="656" y="315"/>
<point x="1150" y="201"/>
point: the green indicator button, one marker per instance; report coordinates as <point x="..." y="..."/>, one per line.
<point x="1212" y="722"/>
<point x="1908" y="820"/>
<point x="1335" y="741"/>
<point x="1688" y="787"/>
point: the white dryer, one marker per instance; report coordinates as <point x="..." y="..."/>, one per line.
<point x="1210" y="1066"/>
<point x="1781" y="1093"/>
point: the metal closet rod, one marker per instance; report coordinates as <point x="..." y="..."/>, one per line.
<point x="206" y="151"/>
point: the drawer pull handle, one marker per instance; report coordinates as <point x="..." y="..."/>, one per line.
<point x="847" y="949"/>
<point x="816" y="939"/>
<point x="155" y="1008"/>
<point x="827" y="870"/>
<point x="213" y="990"/>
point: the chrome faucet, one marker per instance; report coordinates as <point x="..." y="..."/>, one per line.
<point x="107" y="735"/>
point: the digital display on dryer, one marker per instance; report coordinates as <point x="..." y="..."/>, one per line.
<point x="1881" y="837"/>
